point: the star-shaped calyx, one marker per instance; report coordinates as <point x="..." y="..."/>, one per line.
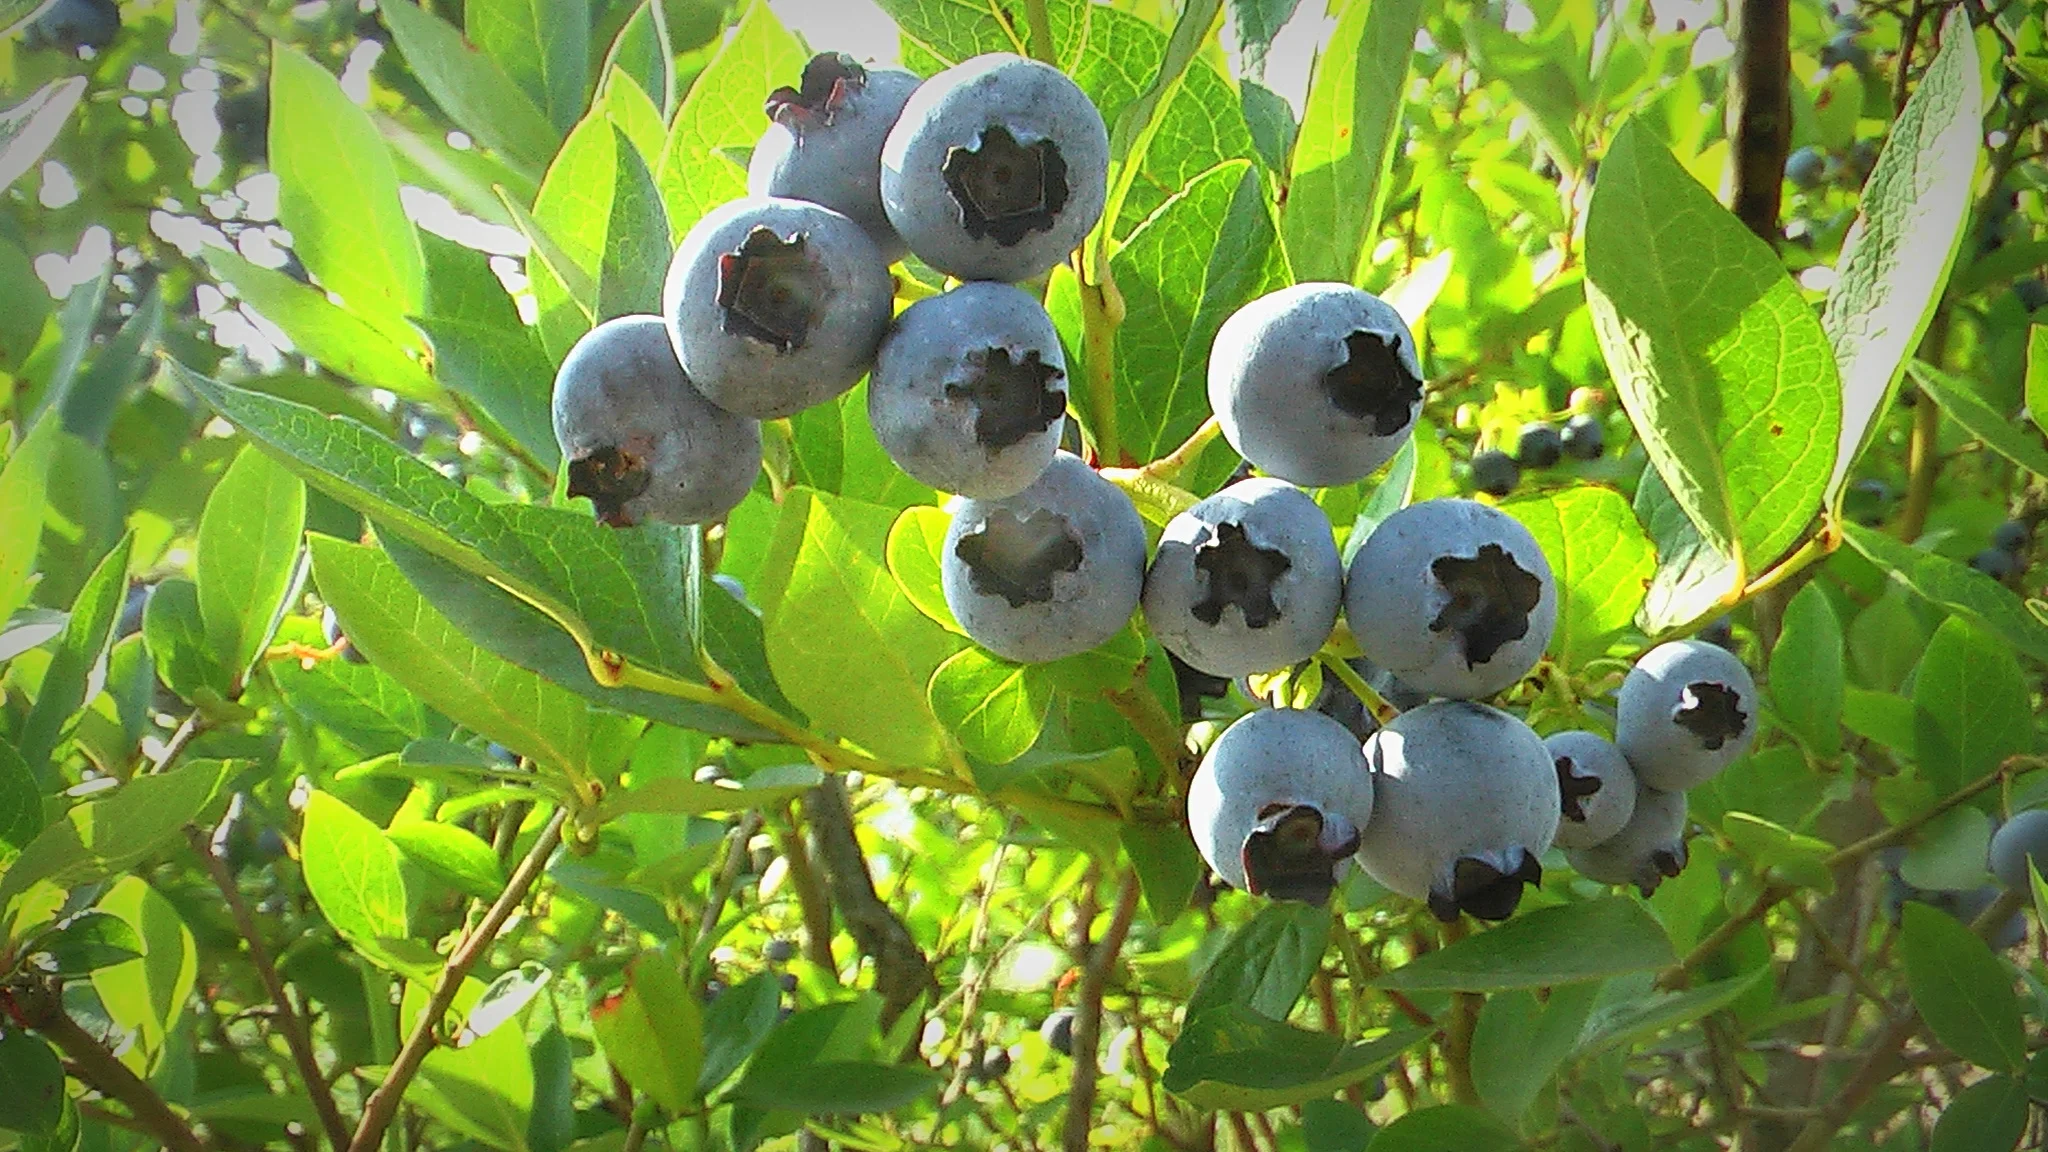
<point x="1006" y="189"/>
<point x="1491" y="597"/>
<point x="1240" y="574"/>
<point x="1373" y="384"/>
<point x="1017" y="557"/>
<point x="1484" y="888"/>
<point x="612" y="477"/>
<point x="1013" y="398"/>
<point x="1574" y="786"/>
<point x="830" y="79"/>
<point x="1713" y="712"/>
<point x="771" y="289"/>
<point x="1293" y="853"/>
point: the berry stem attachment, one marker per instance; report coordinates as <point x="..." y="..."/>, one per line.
<point x="1349" y="677"/>
<point x="1038" y="26"/>
<point x="1170" y="466"/>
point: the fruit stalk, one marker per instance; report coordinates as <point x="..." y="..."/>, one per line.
<point x="1097" y="961"/>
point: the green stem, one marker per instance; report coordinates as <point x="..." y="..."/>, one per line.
<point x="1349" y="677"/>
<point x="1039" y="26"/>
<point x="1170" y="466"/>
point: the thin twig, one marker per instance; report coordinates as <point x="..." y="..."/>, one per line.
<point x="814" y="904"/>
<point x="1098" y="959"/>
<point x="42" y="1011"/>
<point x="383" y="1103"/>
<point x="296" y="1036"/>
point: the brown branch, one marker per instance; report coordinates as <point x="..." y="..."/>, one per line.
<point x="901" y="971"/>
<point x="296" y="1036"/>
<point x="42" y="1011"/>
<point x="383" y="1103"/>
<point x="1760" y="112"/>
<point x="1097" y="961"/>
<point x="813" y="902"/>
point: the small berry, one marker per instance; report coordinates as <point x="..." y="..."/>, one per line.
<point x="1539" y="445"/>
<point x="778" y="951"/>
<point x="1996" y="563"/>
<point x="2011" y="536"/>
<point x="1585" y="438"/>
<point x="1495" y="472"/>
<point x="1058" y="1031"/>
<point x="1807" y="168"/>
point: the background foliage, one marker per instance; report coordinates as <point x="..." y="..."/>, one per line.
<point x="570" y="845"/>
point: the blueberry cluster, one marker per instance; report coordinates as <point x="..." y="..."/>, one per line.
<point x="1454" y="802"/>
<point x="1540" y="444"/>
<point x="991" y="172"/>
<point x="2007" y="555"/>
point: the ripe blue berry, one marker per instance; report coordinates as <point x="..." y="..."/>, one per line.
<point x="824" y="144"/>
<point x="1495" y="472"/>
<point x="1278" y="802"/>
<point x="1686" y="710"/>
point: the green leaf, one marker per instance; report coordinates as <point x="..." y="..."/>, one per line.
<point x="1898" y="253"/>
<point x="21" y="325"/>
<point x="1988" y="1116"/>
<point x="652" y="1032"/>
<point x="1520" y="1043"/>
<point x="1266" y="964"/>
<point x="723" y="110"/>
<point x="636" y="246"/>
<point x="456" y="856"/>
<point x="75" y="326"/>
<point x="1955" y="588"/>
<point x="21" y="803"/>
<point x="361" y="246"/>
<point x="69" y="684"/>
<point x="1807" y="678"/>
<point x="994" y="708"/>
<point x="1231" y="1058"/>
<point x="1200" y="257"/>
<point x="402" y="634"/>
<point x="734" y="1026"/>
<point x="621" y="588"/>
<point x="519" y="633"/>
<point x="1539" y="79"/>
<point x="248" y="554"/>
<point x="1972" y="707"/>
<point x="1563" y="944"/>
<point x="680" y="795"/>
<point x="115" y="830"/>
<point x="1602" y="562"/>
<point x="2037" y="375"/>
<point x="1446" y="1128"/>
<point x="852" y="1087"/>
<point x="1693" y="580"/>
<point x="1785" y="854"/>
<point x="29" y="128"/>
<point x="1646" y="1012"/>
<point x="483" y="352"/>
<point x="175" y="634"/>
<point x="1258" y="21"/>
<point x="95" y="399"/>
<point x="475" y="93"/>
<point x="31" y="1084"/>
<point x="2003" y="435"/>
<point x="1334" y="1126"/>
<point x="341" y="340"/>
<point x="1167" y="864"/>
<point x="1962" y="989"/>
<point x="482" y="1086"/>
<point x="1337" y="181"/>
<point x="147" y="995"/>
<point x="89" y="941"/>
<point x="1720" y="362"/>
<point x="23" y="496"/>
<point x="543" y="45"/>
<point x="853" y="651"/>
<point x="353" y="871"/>
<point x="916" y="546"/>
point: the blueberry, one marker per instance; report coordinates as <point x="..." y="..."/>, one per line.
<point x="1687" y="710"/>
<point x="1720" y="632"/>
<point x="1058" y="1031"/>
<point x="1050" y="572"/>
<point x="244" y="127"/>
<point x="778" y="951"/>
<point x="1539" y="445"/>
<point x="641" y="441"/>
<point x="1844" y="48"/>
<point x="330" y="631"/>
<point x="1246" y="581"/>
<point x="2018" y="840"/>
<point x="1494" y="472"/>
<point x="2031" y="292"/>
<point x="995" y="1064"/>
<point x="996" y="169"/>
<point x="2012" y="536"/>
<point x="1195" y="686"/>
<point x="74" y="24"/>
<point x="825" y="142"/>
<point x="1996" y="563"/>
<point x="1453" y="597"/>
<point x="776" y="305"/>
<point x="1596" y="786"/>
<point x="1647" y="850"/>
<point x="1317" y="384"/>
<point x="1465" y="801"/>
<point x="1807" y="168"/>
<point x="1278" y="802"/>
<point x="1584" y="437"/>
<point x="969" y="391"/>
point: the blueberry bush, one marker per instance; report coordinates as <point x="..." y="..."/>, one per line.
<point x="1484" y="588"/>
